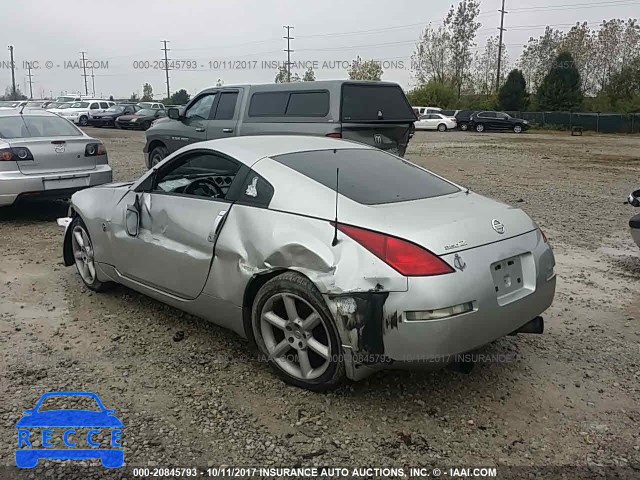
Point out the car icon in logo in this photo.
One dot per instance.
(73, 423)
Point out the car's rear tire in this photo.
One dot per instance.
(464, 126)
(295, 332)
(480, 128)
(517, 128)
(442, 127)
(83, 253)
(83, 121)
(146, 125)
(115, 125)
(157, 155)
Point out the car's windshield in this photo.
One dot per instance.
(146, 111)
(115, 108)
(396, 180)
(80, 105)
(65, 99)
(62, 106)
(29, 126)
(69, 402)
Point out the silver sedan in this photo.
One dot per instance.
(43, 154)
(334, 258)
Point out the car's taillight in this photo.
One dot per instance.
(334, 135)
(93, 149)
(407, 258)
(15, 154)
(544, 237)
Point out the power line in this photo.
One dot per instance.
(502, 29)
(288, 50)
(84, 74)
(166, 66)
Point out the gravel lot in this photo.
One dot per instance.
(568, 397)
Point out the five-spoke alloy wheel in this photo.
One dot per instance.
(82, 249)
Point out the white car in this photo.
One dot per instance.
(79, 112)
(426, 110)
(150, 105)
(7, 105)
(436, 121)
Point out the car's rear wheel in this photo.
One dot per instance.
(293, 328)
(83, 253)
(83, 121)
(480, 128)
(146, 125)
(464, 126)
(517, 128)
(442, 127)
(157, 155)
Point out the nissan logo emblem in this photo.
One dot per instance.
(497, 226)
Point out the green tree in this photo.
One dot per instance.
(560, 89)
(365, 70)
(462, 23)
(8, 94)
(147, 92)
(623, 90)
(181, 97)
(283, 73)
(309, 75)
(513, 94)
(434, 93)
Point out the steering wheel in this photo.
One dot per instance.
(204, 187)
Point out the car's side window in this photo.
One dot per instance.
(104, 105)
(226, 105)
(94, 106)
(201, 109)
(255, 191)
(203, 174)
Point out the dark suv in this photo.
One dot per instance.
(481, 121)
(374, 113)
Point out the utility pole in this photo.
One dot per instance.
(30, 81)
(288, 38)
(13, 75)
(84, 74)
(166, 66)
(93, 82)
(502, 29)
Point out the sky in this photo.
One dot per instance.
(241, 41)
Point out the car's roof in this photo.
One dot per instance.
(250, 149)
(27, 112)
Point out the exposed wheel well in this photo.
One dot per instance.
(156, 143)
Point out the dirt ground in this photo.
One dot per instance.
(570, 397)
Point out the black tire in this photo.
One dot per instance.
(83, 121)
(442, 127)
(157, 155)
(464, 126)
(296, 284)
(146, 125)
(96, 285)
(518, 128)
(115, 125)
(480, 127)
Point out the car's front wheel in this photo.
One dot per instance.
(517, 128)
(294, 330)
(83, 121)
(157, 155)
(83, 254)
(480, 128)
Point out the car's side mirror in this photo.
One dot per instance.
(634, 198)
(132, 221)
(174, 114)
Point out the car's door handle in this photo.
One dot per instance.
(227, 130)
(217, 223)
(199, 129)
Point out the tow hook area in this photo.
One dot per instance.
(534, 326)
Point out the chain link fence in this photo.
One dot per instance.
(596, 122)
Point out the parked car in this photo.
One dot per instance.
(36, 104)
(140, 120)
(462, 117)
(43, 154)
(151, 105)
(436, 121)
(9, 104)
(634, 223)
(412, 269)
(109, 116)
(427, 110)
(57, 107)
(375, 113)
(68, 98)
(79, 112)
(482, 121)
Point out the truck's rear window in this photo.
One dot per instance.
(373, 103)
(368, 176)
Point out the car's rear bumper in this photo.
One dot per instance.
(384, 337)
(16, 184)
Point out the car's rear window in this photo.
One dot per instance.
(36, 126)
(370, 177)
(372, 103)
(294, 104)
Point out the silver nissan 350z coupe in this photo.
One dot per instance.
(335, 258)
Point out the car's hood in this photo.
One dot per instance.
(107, 114)
(74, 110)
(69, 418)
(443, 224)
(129, 117)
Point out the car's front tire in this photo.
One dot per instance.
(480, 128)
(83, 254)
(294, 330)
(83, 121)
(517, 128)
(157, 155)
